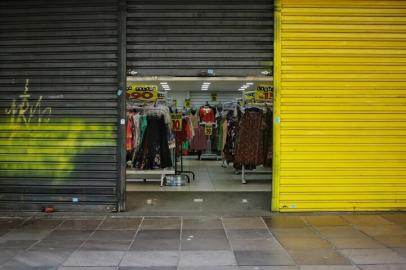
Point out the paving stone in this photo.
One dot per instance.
(304, 232)
(249, 234)
(155, 244)
(158, 234)
(94, 258)
(150, 258)
(50, 245)
(206, 258)
(16, 244)
(268, 244)
(373, 256)
(148, 268)
(198, 235)
(212, 267)
(80, 224)
(205, 244)
(257, 257)
(121, 223)
(382, 230)
(25, 234)
(399, 219)
(355, 242)
(339, 232)
(113, 235)
(383, 267)
(10, 223)
(7, 255)
(366, 220)
(69, 234)
(86, 268)
(395, 241)
(319, 221)
(244, 223)
(41, 224)
(268, 268)
(202, 223)
(106, 245)
(37, 259)
(161, 223)
(303, 243)
(318, 257)
(401, 251)
(284, 222)
(328, 267)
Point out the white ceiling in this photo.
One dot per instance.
(195, 84)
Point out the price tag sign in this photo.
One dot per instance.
(142, 92)
(264, 93)
(177, 121)
(208, 130)
(187, 103)
(214, 97)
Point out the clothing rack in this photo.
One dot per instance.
(208, 153)
(139, 172)
(243, 173)
(181, 171)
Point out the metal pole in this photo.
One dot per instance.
(122, 85)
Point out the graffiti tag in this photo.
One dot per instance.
(25, 112)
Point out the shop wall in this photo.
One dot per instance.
(58, 104)
(340, 116)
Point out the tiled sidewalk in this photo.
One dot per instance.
(283, 242)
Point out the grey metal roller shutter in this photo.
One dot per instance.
(188, 37)
(58, 104)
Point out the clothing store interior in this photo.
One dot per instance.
(200, 135)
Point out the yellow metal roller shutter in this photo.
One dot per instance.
(341, 97)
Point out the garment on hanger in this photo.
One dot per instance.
(268, 139)
(154, 151)
(199, 141)
(130, 133)
(249, 141)
(207, 114)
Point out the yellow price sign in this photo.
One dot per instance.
(264, 93)
(142, 92)
(213, 97)
(176, 121)
(249, 96)
(208, 130)
(187, 103)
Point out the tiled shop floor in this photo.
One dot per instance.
(280, 242)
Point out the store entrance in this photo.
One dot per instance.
(194, 140)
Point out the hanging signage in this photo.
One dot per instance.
(264, 93)
(161, 95)
(208, 129)
(142, 92)
(213, 97)
(187, 103)
(249, 96)
(177, 121)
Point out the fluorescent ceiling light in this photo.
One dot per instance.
(206, 83)
(250, 83)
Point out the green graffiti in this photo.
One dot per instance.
(50, 150)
